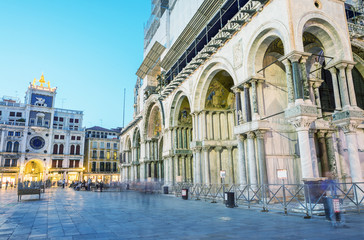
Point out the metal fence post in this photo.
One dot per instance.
(356, 198)
(284, 199)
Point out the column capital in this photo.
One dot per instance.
(321, 133)
(295, 56)
(250, 135)
(218, 148)
(241, 137)
(286, 62)
(260, 134)
(206, 148)
(349, 127)
(302, 123)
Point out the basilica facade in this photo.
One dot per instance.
(248, 89)
(39, 141)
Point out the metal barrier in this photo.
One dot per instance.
(304, 199)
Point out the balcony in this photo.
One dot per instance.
(13, 123)
(98, 170)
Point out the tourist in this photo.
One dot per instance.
(64, 182)
(6, 184)
(89, 184)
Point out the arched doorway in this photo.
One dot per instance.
(34, 171)
(154, 162)
(181, 122)
(219, 152)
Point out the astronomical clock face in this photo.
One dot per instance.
(37, 142)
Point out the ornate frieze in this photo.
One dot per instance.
(301, 110)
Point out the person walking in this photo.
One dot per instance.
(64, 182)
(101, 185)
(6, 184)
(89, 184)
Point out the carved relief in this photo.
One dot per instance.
(219, 95)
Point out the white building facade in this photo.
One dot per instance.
(248, 88)
(39, 141)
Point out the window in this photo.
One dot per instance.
(56, 136)
(108, 167)
(7, 163)
(94, 145)
(55, 118)
(9, 146)
(61, 137)
(114, 168)
(77, 163)
(115, 146)
(115, 155)
(54, 163)
(61, 147)
(10, 133)
(78, 137)
(76, 120)
(108, 145)
(71, 163)
(18, 114)
(108, 155)
(16, 147)
(93, 167)
(73, 138)
(78, 150)
(94, 154)
(60, 163)
(71, 120)
(61, 119)
(102, 145)
(102, 155)
(55, 149)
(14, 163)
(17, 134)
(12, 114)
(72, 152)
(101, 166)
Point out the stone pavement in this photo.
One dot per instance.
(67, 214)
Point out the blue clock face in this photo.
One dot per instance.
(37, 142)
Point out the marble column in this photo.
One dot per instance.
(231, 164)
(207, 165)
(302, 125)
(316, 85)
(237, 105)
(323, 154)
(261, 157)
(315, 167)
(241, 160)
(171, 177)
(204, 125)
(343, 86)
(306, 90)
(297, 81)
(336, 88)
(183, 166)
(252, 161)
(218, 164)
(349, 78)
(352, 145)
(211, 127)
(247, 103)
(290, 91)
(197, 165)
(254, 100)
(331, 153)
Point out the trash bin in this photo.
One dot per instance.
(185, 193)
(229, 199)
(165, 189)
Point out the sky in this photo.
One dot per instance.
(89, 49)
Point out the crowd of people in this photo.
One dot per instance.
(79, 185)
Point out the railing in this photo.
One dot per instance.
(305, 199)
(13, 123)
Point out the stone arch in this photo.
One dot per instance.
(175, 106)
(207, 74)
(34, 170)
(259, 43)
(150, 104)
(327, 31)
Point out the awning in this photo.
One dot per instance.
(150, 60)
